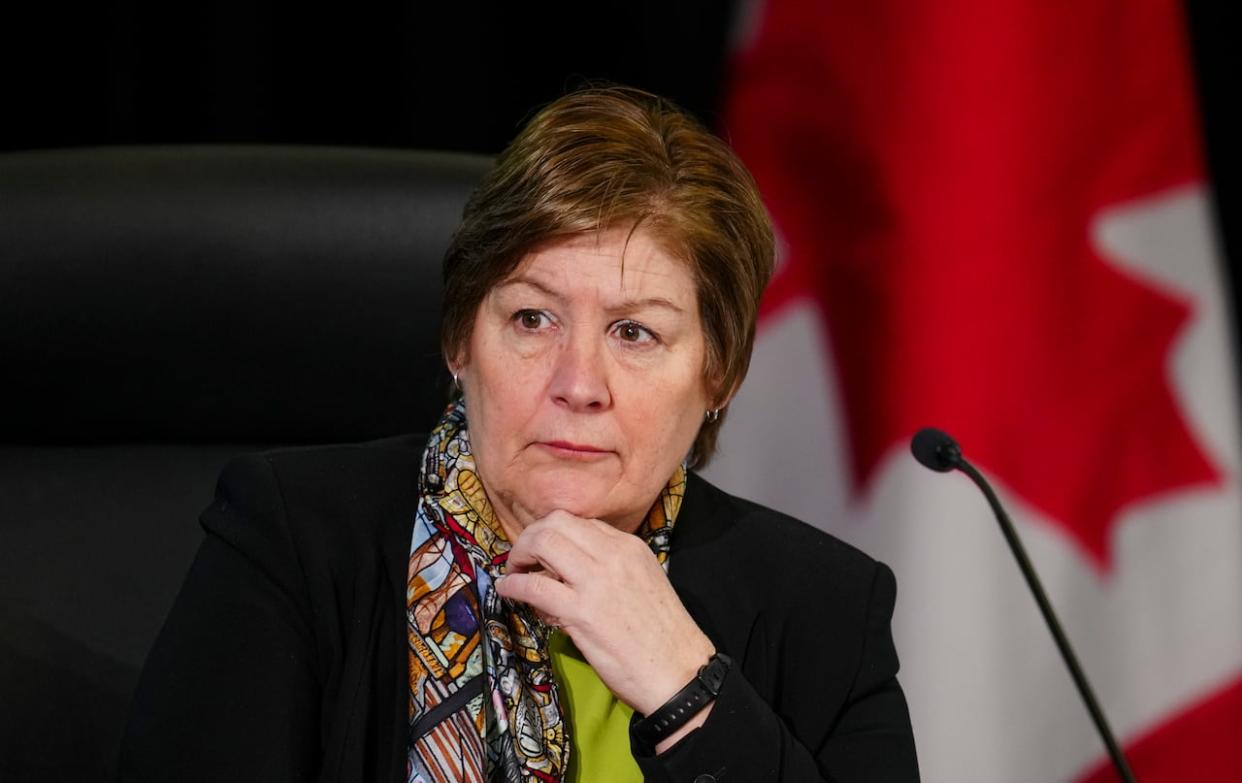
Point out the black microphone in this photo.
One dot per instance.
(939, 452)
(935, 449)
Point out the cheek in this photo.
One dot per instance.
(494, 366)
(504, 360)
(502, 394)
(669, 412)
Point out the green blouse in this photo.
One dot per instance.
(599, 722)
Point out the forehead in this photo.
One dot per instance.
(611, 263)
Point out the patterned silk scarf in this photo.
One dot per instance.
(483, 703)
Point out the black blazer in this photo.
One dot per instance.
(284, 657)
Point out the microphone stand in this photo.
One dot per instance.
(1050, 617)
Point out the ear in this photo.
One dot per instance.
(456, 361)
(722, 401)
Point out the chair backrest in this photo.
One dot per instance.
(161, 309)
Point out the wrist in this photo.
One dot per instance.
(672, 739)
(685, 709)
(664, 684)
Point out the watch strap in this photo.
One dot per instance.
(686, 703)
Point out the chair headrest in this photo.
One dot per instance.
(236, 294)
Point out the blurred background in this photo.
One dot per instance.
(1017, 221)
(458, 76)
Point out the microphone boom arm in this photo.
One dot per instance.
(1050, 617)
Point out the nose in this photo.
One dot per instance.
(580, 379)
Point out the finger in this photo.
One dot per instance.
(596, 540)
(549, 596)
(553, 549)
(594, 535)
(607, 548)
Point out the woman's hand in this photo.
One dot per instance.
(607, 591)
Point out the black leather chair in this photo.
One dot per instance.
(160, 310)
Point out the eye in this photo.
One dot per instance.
(633, 332)
(531, 320)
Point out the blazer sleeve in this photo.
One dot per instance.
(745, 739)
(229, 691)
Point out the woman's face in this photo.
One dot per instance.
(583, 380)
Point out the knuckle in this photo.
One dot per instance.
(636, 547)
(556, 517)
(555, 539)
(536, 586)
(537, 540)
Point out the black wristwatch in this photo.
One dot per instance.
(686, 703)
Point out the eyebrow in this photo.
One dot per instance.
(628, 305)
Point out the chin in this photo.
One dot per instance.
(580, 496)
(576, 503)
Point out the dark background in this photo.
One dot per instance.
(457, 76)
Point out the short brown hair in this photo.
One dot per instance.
(611, 157)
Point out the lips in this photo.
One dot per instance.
(567, 446)
(569, 450)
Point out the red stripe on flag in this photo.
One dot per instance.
(1198, 743)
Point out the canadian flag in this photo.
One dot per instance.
(993, 220)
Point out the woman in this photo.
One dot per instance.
(541, 590)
